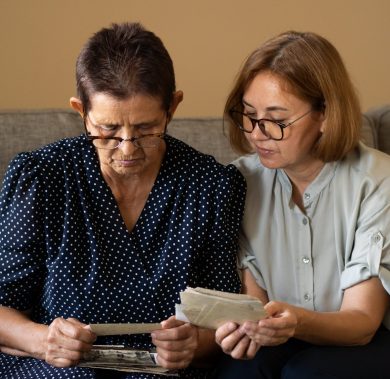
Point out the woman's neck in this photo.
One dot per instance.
(301, 178)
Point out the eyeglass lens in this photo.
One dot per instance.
(145, 141)
(269, 128)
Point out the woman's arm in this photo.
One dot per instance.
(60, 344)
(250, 287)
(21, 336)
(359, 317)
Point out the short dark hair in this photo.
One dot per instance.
(313, 70)
(122, 61)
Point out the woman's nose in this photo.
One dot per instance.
(257, 134)
(127, 145)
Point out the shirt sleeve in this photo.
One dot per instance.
(247, 260)
(219, 268)
(370, 255)
(21, 234)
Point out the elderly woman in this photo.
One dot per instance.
(315, 244)
(110, 226)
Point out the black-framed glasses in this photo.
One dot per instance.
(111, 143)
(270, 128)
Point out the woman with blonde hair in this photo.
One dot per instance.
(315, 242)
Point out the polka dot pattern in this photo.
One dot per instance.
(65, 250)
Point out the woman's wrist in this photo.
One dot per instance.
(303, 317)
(36, 344)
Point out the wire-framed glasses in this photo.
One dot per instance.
(111, 143)
(270, 128)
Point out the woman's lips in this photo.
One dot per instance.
(264, 152)
(127, 162)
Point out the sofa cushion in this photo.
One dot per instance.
(380, 123)
(26, 130)
(207, 135)
(368, 132)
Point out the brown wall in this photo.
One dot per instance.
(207, 39)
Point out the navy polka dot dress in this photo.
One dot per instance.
(65, 250)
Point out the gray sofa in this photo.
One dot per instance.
(25, 130)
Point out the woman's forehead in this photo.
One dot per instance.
(137, 108)
(106, 102)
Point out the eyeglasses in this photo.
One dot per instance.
(270, 128)
(111, 143)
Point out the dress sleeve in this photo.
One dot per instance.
(219, 268)
(21, 234)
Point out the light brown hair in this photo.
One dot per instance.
(314, 71)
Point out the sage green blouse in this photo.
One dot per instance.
(341, 239)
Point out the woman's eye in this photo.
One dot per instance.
(251, 115)
(145, 129)
(108, 128)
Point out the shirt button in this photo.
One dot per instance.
(307, 196)
(377, 238)
(305, 260)
(306, 297)
(304, 221)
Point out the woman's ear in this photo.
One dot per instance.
(323, 125)
(77, 105)
(322, 119)
(176, 100)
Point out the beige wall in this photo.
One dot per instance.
(207, 39)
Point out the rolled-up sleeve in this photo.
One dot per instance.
(370, 255)
(247, 260)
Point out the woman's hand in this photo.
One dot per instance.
(67, 340)
(243, 342)
(277, 328)
(176, 343)
(233, 341)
